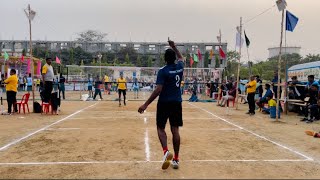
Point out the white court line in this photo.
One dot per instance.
(127, 162)
(255, 134)
(146, 141)
(182, 129)
(42, 129)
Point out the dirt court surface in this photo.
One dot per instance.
(98, 139)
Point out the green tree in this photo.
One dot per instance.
(91, 36)
(116, 61)
(24, 52)
(162, 61)
(206, 59)
(311, 58)
(71, 56)
(127, 59)
(138, 62)
(149, 61)
(217, 64)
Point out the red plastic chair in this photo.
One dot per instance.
(46, 107)
(23, 102)
(232, 100)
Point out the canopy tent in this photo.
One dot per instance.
(19, 64)
(302, 71)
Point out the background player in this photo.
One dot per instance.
(122, 88)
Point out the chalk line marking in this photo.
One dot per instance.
(146, 141)
(127, 162)
(255, 134)
(119, 128)
(42, 129)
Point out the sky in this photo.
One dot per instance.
(156, 20)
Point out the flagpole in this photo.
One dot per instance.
(286, 73)
(249, 63)
(238, 74)
(279, 69)
(32, 63)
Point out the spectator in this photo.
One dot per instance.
(11, 88)
(97, 86)
(230, 94)
(47, 76)
(2, 84)
(263, 99)
(272, 104)
(310, 82)
(251, 90)
(29, 83)
(312, 105)
(62, 88)
(275, 85)
(296, 90)
(259, 89)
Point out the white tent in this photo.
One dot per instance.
(302, 71)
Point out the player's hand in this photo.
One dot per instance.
(171, 43)
(142, 108)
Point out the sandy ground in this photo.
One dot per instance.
(98, 139)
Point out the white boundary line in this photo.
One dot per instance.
(255, 134)
(146, 140)
(127, 162)
(42, 129)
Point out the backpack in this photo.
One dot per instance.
(37, 107)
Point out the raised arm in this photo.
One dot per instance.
(173, 46)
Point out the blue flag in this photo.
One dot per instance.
(291, 21)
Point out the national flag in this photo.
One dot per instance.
(239, 40)
(58, 60)
(247, 39)
(22, 58)
(222, 54)
(191, 61)
(291, 21)
(282, 4)
(6, 56)
(195, 58)
(199, 55)
(211, 54)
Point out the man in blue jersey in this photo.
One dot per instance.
(169, 104)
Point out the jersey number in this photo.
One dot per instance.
(178, 80)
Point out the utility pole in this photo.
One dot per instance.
(238, 73)
(279, 69)
(30, 53)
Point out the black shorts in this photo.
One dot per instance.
(171, 110)
(124, 91)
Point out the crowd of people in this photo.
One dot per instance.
(303, 97)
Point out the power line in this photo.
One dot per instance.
(263, 12)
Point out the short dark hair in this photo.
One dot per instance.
(311, 76)
(170, 56)
(314, 85)
(48, 58)
(268, 85)
(13, 71)
(294, 77)
(270, 96)
(257, 76)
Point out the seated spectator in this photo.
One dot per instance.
(193, 97)
(230, 94)
(312, 105)
(263, 99)
(272, 104)
(296, 89)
